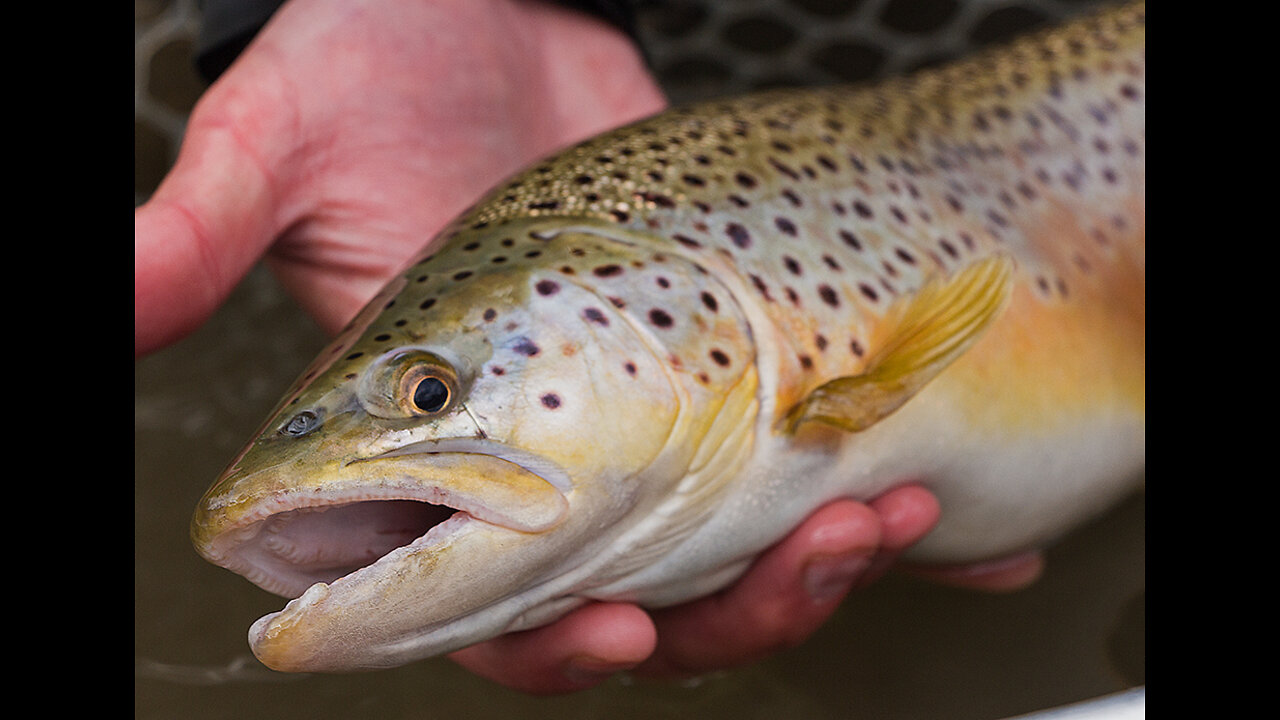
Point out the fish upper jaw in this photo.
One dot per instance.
(287, 538)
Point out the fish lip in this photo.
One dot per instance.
(533, 463)
(240, 546)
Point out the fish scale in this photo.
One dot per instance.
(630, 369)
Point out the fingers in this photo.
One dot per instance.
(1005, 574)
(788, 592)
(206, 225)
(907, 514)
(576, 652)
(783, 598)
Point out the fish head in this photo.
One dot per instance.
(452, 465)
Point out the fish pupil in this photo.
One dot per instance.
(431, 395)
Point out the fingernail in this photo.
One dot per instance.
(584, 670)
(827, 578)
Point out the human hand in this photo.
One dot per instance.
(784, 597)
(347, 134)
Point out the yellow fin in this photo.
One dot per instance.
(931, 329)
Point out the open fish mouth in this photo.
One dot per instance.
(371, 511)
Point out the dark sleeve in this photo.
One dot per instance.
(227, 27)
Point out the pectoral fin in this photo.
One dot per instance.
(930, 329)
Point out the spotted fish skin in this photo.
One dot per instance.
(664, 346)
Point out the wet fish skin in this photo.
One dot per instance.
(663, 347)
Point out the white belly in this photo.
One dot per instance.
(999, 495)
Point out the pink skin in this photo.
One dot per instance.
(297, 154)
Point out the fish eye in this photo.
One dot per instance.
(431, 395)
(427, 386)
(410, 383)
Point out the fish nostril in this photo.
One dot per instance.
(302, 423)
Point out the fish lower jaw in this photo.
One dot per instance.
(266, 626)
(280, 639)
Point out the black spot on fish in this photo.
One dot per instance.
(761, 286)
(595, 315)
(526, 347)
(547, 287)
(551, 401)
(784, 169)
(709, 301)
(658, 199)
(851, 240)
(660, 318)
(829, 295)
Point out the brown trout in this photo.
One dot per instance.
(630, 369)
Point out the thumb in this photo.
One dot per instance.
(208, 222)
